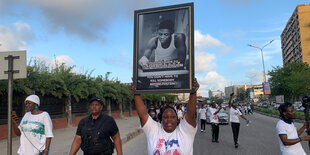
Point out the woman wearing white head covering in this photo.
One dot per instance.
(35, 129)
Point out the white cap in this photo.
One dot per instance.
(34, 99)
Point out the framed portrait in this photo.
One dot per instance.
(164, 49)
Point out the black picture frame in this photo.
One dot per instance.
(160, 66)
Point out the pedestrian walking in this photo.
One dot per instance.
(289, 138)
(202, 114)
(249, 109)
(245, 109)
(180, 112)
(215, 129)
(35, 129)
(169, 137)
(94, 133)
(234, 114)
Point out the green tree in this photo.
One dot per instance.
(292, 80)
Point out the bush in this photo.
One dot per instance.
(298, 115)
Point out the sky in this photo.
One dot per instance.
(97, 35)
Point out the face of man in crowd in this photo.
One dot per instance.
(289, 113)
(164, 36)
(169, 120)
(213, 105)
(95, 107)
(234, 105)
(29, 105)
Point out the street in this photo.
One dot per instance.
(256, 139)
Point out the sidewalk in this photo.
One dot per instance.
(61, 143)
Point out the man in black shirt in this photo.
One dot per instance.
(95, 131)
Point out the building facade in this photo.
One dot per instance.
(256, 89)
(216, 94)
(295, 38)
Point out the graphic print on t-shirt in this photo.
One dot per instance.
(170, 147)
(35, 128)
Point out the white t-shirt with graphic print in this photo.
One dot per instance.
(179, 142)
(34, 131)
(213, 118)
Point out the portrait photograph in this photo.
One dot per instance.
(163, 49)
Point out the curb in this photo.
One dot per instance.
(131, 135)
(275, 116)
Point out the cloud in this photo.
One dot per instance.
(59, 60)
(212, 80)
(17, 38)
(121, 60)
(204, 62)
(208, 42)
(255, 76)
(88, 20)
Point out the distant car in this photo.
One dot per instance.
(222, 115)
(265, 105)
(301, 109)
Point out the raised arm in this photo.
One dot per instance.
(229, 102)
(218, 110)
(15, 121)
(141, 109)
(191, 106)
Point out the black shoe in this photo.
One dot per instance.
(236, 145)
(217, 141)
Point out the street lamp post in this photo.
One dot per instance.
(261, 50)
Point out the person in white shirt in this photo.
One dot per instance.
(202, 114)
(289, 138)
(35, 129)
(234, 114)
(169, 137)
(180, 112)
(214, 121)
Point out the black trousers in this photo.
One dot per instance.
(235, 129)
(215, 131)
(203, 124)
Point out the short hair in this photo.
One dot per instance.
(283, 107)
(167, 24)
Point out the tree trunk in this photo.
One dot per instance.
(68, 111)
(130, 108)
(109, 106)
(121, 110)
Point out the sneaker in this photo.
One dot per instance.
(201, 130)
(204, 131)
(236, 145)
